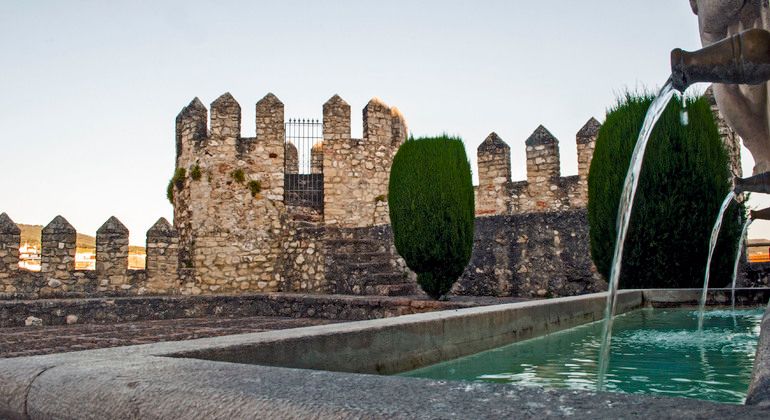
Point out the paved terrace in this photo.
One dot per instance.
(116, 322)
(256, 375)
(30, 341)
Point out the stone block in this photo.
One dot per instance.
(58, 249)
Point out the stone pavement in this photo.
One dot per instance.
(29, 341)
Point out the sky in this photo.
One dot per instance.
(90, 89)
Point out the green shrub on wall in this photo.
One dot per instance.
(684, 179)
(176, 181)
(195, 172)
(431, 203)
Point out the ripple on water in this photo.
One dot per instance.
(653, 351)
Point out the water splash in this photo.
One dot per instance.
(738, 252)
(653, 351)
(684, 116)
(712, 244)
(656, 109)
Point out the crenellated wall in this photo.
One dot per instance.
(10, 240)
(240, 226)
(356, 171)
(545, 189)
(230, 235)
(233, 239)
(58, 277)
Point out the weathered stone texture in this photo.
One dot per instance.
(292, 159)
(494, 168)
(754, 275)
(112, 254)
(120, 309)
(191, 132)
(236, 231)
(542, 254)
(730, 139)
(58, 249)
(364, 261)
(225, 126)
(230, 236)
(545, 189)
(586, 143)
(162, 257)
(304, 258)
(356, 171)
(543, 172)
(317, 158)
(10, 238)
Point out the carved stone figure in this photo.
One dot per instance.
(745, 107)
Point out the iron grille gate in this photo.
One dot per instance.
(303, 164)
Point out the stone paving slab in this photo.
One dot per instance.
(30, 341)
(157, 381)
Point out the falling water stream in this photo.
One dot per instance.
(624, 216)
(712, 244)
(738, 252)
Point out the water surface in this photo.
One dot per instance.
(654, 351)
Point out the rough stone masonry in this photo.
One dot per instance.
(235, 232)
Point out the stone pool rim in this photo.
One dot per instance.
(161, 380)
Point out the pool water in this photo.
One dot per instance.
(654, 351)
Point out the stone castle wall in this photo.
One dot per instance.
(356, 171)
(234, 232)
(58, 277)
(236, 239)
(538, 254)
(230, 235)
(545, 189)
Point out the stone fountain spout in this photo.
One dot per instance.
(731, 34)
(759, 183)
(743, 59)
(762, 214)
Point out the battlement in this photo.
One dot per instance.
(233, 195)
(356, 171)
(545, 189)
(58, 275)
(303, 207)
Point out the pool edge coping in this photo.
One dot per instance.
(36, 375)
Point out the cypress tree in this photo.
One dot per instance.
(685, 177)
(431, 202)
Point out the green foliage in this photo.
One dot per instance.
(381, 198)
(176, 181)
(179, 176)
(195, 172)
(432, 210)
(255, 187)
(684, 179)
(170, 192)
(238, 175)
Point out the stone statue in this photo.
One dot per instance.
(746, 107)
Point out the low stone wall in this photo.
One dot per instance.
(390, 346)
(531, 255)
(128, 309)
(756, 275)
(79, 284)
(157, 380)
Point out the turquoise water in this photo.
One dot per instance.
(654, 351)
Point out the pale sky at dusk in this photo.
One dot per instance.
(90, 89)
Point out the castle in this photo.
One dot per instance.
(268, 214)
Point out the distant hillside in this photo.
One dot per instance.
(31, 234)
